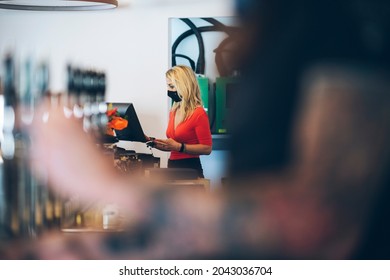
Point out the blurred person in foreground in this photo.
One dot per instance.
(312, 183)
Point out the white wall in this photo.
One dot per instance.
(131, 44)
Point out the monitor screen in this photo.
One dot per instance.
(133, 131)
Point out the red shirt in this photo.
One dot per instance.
(194, 130)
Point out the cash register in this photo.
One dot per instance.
(129, 161)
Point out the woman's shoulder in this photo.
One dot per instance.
(199, 113)
(199, 110)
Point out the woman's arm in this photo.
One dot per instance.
(172, 145)
(197, 149)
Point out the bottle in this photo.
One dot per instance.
(14, 151)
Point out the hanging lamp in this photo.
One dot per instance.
(58, 5)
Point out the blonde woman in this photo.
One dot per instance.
(188, 132)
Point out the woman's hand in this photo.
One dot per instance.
(167, 145)
(148, 138)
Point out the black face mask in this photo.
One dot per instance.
(174, 95)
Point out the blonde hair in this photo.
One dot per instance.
(186, 84)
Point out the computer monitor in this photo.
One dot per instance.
(133, 131)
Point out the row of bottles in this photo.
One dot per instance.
(27, 206)
(86, 98)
